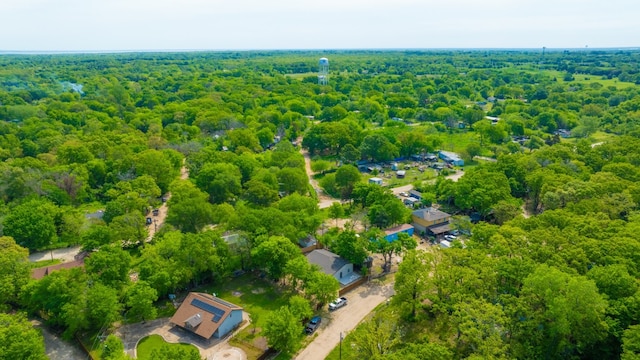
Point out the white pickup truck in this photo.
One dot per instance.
(338, 303)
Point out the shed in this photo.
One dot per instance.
(451, 158)
(400, 174)
(375, 180)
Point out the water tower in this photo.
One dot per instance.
(323, 71)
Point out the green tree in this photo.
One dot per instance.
(19, 340)
(411, 283)
(300, 308)
(349, 154)
(321, 288)
(320, 166)
(631, 343)
(293, 180)
(110, 265)
(478, 326)
(15, 270)
(377, 147)
(102, 306)
(480, 189)
(157, 165)
(283, 330)
(376, 337)
(350, 246)
(140, 298)
(346, 178)
(113, 349)
(336, 211)
(563, 314)
(189, 210)
(273, 253)
(221, 181)
(32, 224)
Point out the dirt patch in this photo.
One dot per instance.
(260, 342)
(258, 291)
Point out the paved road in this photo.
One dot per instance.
(361, 302)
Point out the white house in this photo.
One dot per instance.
(333, 265)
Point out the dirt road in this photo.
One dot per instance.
(324, 200)
(361, 302)
(56, 348)
(159, 219)
(64, 254)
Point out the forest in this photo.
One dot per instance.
(550, 267)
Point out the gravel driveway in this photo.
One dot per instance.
(361, 302)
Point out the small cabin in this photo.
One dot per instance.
(375, 180)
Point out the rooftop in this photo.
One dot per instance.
(328, 261)
(202, 313)
(430, 214)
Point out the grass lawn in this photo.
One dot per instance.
(147, 344)
(43, 263)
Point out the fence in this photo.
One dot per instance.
(352, 286)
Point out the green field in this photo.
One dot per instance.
(589, 79)
(147, 344)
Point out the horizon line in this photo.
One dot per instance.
(124, 51)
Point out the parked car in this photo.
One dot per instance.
(404, 193)
(149, 221)
(156, 212)
(450, 237)
(338, 303)
(313, 325)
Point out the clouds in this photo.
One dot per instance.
(287, 24)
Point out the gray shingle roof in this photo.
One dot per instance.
(328, 261)
(430, 214)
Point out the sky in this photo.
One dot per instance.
(124, 25)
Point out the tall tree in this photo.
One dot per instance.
(15, 270)
(411, 283)
(19, 340)
(283, 330)
(221, 181)
(273, 253)
(110, 265)
(32, 224)
(140, 299)
(189, 210)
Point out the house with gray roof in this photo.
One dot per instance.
(431, 221)
(332, 264)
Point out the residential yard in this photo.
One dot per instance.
(146, 346)
(258, 297)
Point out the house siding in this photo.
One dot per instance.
(234, 318)
(345, 270)
(421, 225)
